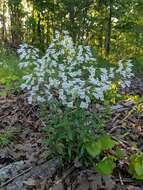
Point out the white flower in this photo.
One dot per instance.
(23, 64)
(87, 99)
(30, 99)
(54, 63)
(40, 99)
(123, 73)
(94, 81)
(84, 105)
(91, 70)
(70, 104)
(98, 95)
(104, 71)
(111, 73)
(23, 86)
(123, 85)
(50, 97)
(27, 77)
(105, 87)
(127, 83)
(82, 94)
(104, 77)
(61, 67)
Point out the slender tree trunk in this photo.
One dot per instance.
(39, 30)
(3, 24)
(100, 38)
(72, 22)
(109, 29)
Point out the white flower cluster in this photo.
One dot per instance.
(125, 73)
(68, 73)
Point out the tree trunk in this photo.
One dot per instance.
(109, 29)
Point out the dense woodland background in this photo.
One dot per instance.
(114, 28)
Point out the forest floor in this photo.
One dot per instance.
(22, 162)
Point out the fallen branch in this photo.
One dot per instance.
(18, 175)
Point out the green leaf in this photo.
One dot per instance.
(139, 168)
(136, 166)
(119, 153)
(93, 148)
(106, 166)
(107, 142)
(60, 148)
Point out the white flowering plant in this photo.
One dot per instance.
(68, 73)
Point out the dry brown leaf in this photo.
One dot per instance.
(58, 186)
(132, 187)
(30, 182)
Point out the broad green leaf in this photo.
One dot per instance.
(93, 148)
(106, 166)
(107, 142)
(139, 168)
(136, 166)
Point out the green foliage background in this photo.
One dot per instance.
(114, 28)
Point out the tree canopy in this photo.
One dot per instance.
(112, 27)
